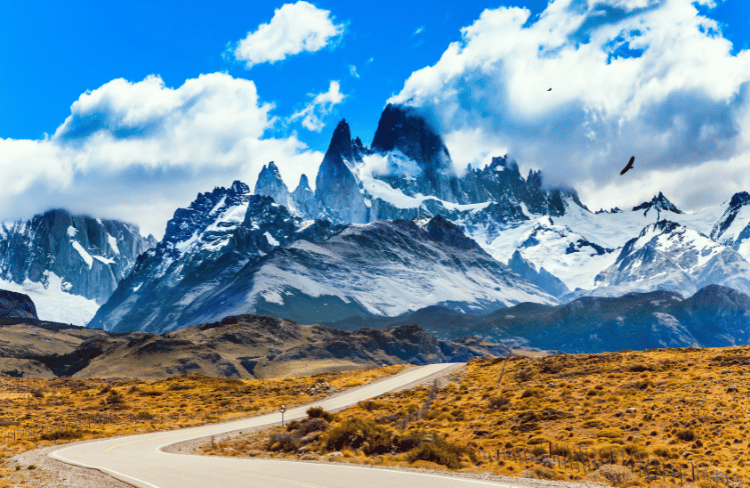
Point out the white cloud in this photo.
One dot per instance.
(652, 78)
(320, 106)
(137, 151)
(294, 28)
(419, 30)
(353, 71)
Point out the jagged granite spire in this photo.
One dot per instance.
(304, 199)
(271, 185)
(336, 188)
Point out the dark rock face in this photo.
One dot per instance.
(16, 305)
(89, 255)
(336, 188)
(402, 128)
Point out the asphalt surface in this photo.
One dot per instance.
(140, 461)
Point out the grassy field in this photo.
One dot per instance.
(669, 411)
(37, 413)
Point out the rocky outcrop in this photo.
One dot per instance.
(16, 305)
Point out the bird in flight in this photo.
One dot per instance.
(550, 89)
(629, 166)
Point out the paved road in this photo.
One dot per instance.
(139, 460)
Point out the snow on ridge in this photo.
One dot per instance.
(104, 260)
(72, 231)
(53, 303)
(271, 240)
(113, 244)
(84, 254)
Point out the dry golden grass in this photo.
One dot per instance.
(36, 411)
(688, 407)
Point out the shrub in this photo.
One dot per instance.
(441, 452)
(662, 451)
(616, 474)
(62, 434)
(533, 392)
(594, 423)
(144, 415)
(496, 402)
(537, 440)
(282, 441)
(686, 435)
(539, 472)
(371, 405)
(319, 413)
(611, 433)
(312, 425)
(357, 433)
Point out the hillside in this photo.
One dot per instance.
(247, 346)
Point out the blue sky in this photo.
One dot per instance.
(124, 92)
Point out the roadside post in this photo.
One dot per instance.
(282, 409)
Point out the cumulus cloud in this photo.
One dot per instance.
(137, 151)
(353, 71)
(653, 78)
(321, 105)
(294, 28)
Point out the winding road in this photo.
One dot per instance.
(140, 461)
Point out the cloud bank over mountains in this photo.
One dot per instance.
(651, 78)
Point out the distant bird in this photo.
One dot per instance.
(629, 166)
(550, 89)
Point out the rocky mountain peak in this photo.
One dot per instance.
(336, 188)
(659, 203)
(341, 143)
(445, 232)
(404, 129)
(740, 199)
(270, 184)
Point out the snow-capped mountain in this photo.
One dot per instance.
(668, 256)
(273, 252)
(68, 264)
(204, 246)
(383, 268)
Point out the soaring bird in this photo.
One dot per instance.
(629, 166)
(550, 89)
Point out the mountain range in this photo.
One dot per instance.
(390, 229)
